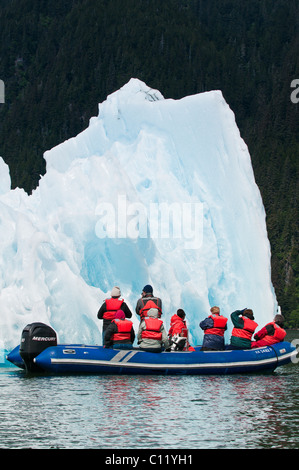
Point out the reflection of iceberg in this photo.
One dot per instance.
(57, 270)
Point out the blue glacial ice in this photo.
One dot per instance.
(96, 220)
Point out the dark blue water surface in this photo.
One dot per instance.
(146, 412)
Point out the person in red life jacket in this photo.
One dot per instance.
(147, 301)
(152, 336)
(110, 307)
(214, 327)
(272, 333)
(178, 324)
(244, 326)
(178, 332)
(120, 333)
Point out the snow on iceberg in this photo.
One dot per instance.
(96, 220)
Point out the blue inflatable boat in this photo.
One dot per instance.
(39, 352)
(78, 359)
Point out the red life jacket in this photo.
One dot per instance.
(147, 304)
(112, 305)
(178, 326)
(278, 336)
(124, 328)
(219, 325)
(247, 331)
(153, 327)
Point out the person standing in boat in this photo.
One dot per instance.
(152, 336)
(244, 326)
(110, 307)
(120, 333)
(147, 301)
(272, 333)
(214, 327)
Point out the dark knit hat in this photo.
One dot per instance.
(147, 289)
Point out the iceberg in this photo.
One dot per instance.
(155, 191)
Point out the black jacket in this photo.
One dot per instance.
(103, 309)
(111, 330)
(143, 300)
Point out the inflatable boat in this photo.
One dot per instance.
(37, 354)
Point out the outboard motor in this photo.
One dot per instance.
(35, 338)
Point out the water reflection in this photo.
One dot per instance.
(183, 412)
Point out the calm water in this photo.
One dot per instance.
(119, 412)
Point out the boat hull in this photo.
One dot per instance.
(78, 359)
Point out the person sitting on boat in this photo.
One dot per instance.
(244, 326)
(147, 301)
(120, 333)
(271, 333)
(110, 307)
(152, 336)
(214, 327)
(178, 332)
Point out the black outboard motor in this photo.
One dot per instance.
(35, 338)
